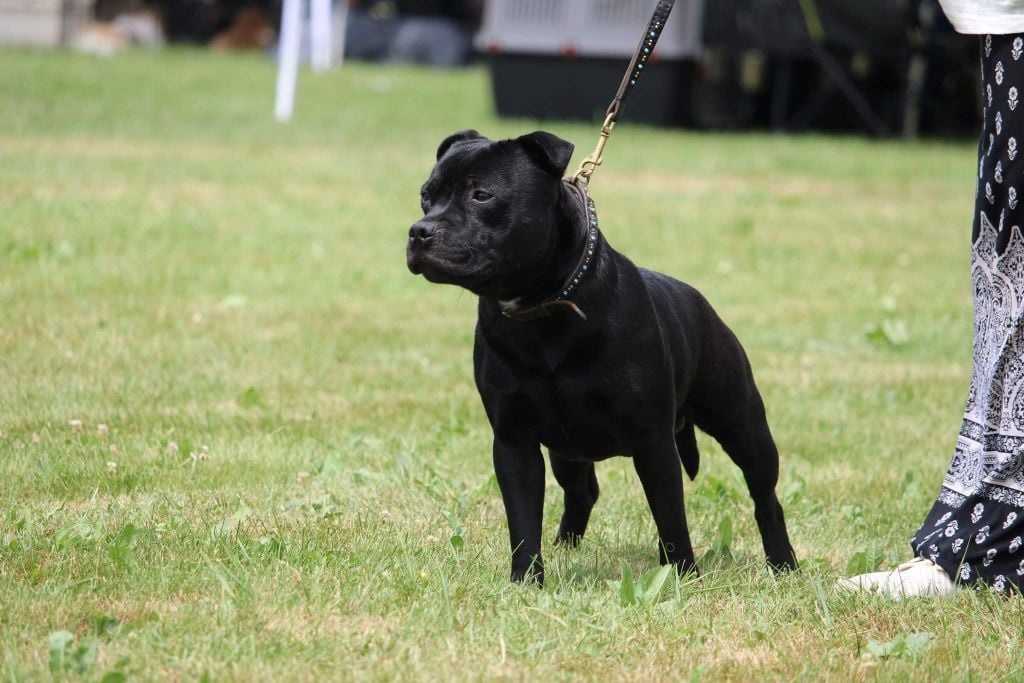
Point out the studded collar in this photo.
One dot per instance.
(561, 299)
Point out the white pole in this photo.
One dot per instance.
(340, 26)
(320, 30)
(288, 59)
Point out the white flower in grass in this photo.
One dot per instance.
(102, 430)
(982, 534)
(1010, 519)
(114, 448)
(976, 513)
(302, 478)
(957, 544)
(76, 426)
(204, 453)
(172, 448)
(111, 467)
(951, 529)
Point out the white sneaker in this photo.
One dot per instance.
(920, 576)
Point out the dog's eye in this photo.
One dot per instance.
(481, 196)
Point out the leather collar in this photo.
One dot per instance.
(561, 299)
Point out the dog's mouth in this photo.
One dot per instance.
(447, 268)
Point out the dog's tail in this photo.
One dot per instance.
(686, 444)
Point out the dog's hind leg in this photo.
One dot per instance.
(745, 436)
(579, 482)
(658, 465)
(686, 443)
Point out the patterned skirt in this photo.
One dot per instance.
(975, 530)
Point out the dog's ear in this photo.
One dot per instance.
(550, 152)
(468, 134)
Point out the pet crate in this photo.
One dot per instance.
(46, 23)
(565, 58)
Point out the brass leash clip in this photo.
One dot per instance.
(590, 164)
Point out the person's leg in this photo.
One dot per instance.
(974, 531)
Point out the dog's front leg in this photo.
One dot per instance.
(520, 473)
(660, 471)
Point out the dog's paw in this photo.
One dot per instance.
(784, 563)
(688, 569)
(685, 566)
(531, 576)
(568, 539)
(533, 572)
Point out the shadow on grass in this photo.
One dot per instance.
(597, 561)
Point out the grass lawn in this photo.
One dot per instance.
(295, 481)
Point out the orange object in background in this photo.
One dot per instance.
(251, 29)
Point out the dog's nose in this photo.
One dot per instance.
(422, 232)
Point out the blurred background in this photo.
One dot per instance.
(881, 67)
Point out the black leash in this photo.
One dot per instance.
(580, 182)
(629, 80)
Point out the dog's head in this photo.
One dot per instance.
(490, 212)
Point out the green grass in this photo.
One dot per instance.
(175, 265)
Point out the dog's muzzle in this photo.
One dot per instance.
(421, 236)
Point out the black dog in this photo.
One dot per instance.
(581, 351)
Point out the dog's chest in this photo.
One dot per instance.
(589, 398)
(588, 412)
(583, 425)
